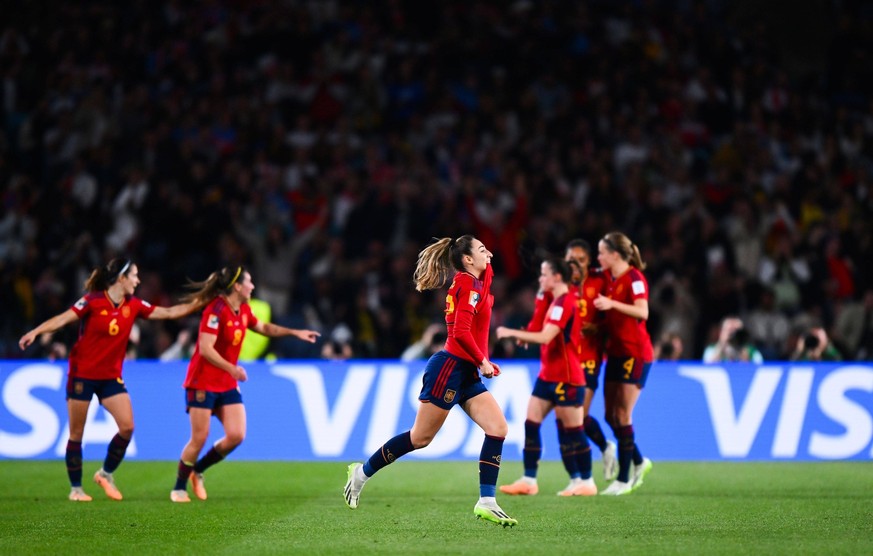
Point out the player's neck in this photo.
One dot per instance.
(560, 289)
(472, 272)
(233, 301)
(115, 295)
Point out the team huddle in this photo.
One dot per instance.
(581, 318)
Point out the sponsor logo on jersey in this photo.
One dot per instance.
(104, 312)
(638, 287)
(212, 322)
(81, 303)
(474, 298)
(145, 304)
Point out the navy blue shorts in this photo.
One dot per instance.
(592, 373)
(84, 389)
(628, 370)
(559, 393)
(211, 400)
(449, 381)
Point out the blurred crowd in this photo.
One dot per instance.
(324, 143)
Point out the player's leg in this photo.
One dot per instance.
(628, 396)
(428, 421)
(595, 434)
(537, 409)
(200, 419)
(233, 418)
(484, 411)
(575, 449)
(77, 411)
(118, 405)
(612, 402)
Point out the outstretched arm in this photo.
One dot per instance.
(174, 312)
(52, 324)
(543, 336)
(276, 331)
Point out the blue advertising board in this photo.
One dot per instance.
(330, 411)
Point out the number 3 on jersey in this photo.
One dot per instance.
(450, 304)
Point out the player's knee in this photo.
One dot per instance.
(125, 430)
(234, 439)
(420, 441)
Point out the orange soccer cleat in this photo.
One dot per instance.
(107, 483)
(197, 485)
(521, 487)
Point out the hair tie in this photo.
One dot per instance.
(452, 243)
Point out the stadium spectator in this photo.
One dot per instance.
(815, 345)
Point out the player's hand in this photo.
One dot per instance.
(502, 332)
(603, 303)
(487, 369)
(496, 369)
(239, 374)
(26, 340)
(308, 335)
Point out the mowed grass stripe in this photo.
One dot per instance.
(415, 507)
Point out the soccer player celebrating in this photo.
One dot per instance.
(107, 313)
(589, 285)
(559, 386)
(452, 376)
(211, 385)
(629, 351)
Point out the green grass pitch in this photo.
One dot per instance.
(416, 507)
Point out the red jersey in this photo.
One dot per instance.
(591, 342)
(559, 360)
(468, 316)
(230, 328)
(627, 336)
(104, 331)
(541, 305)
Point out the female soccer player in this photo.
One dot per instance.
(629, 351)
(590, 285)
(451, 376)
(107, 312)
(211, 386)
(559, 386)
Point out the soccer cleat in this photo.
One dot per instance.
(107, 483)
(493, 513)
(580, 487)
(197, 485)
(610, 461)
(78, 495)
(617, 488)
(353, 486)
(640, 472)
(521, 487)
(179, 496)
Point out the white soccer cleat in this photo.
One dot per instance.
(180, 496)
(490, 511)
(78, 495)
(640, 472)
(617, 488)
(610, 461)
(354, 484)
(580, 487)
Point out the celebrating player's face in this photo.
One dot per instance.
(130, 280)
(548, 278)
(246, 286)
(605, 257)
(580, 257)
(481, 256)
